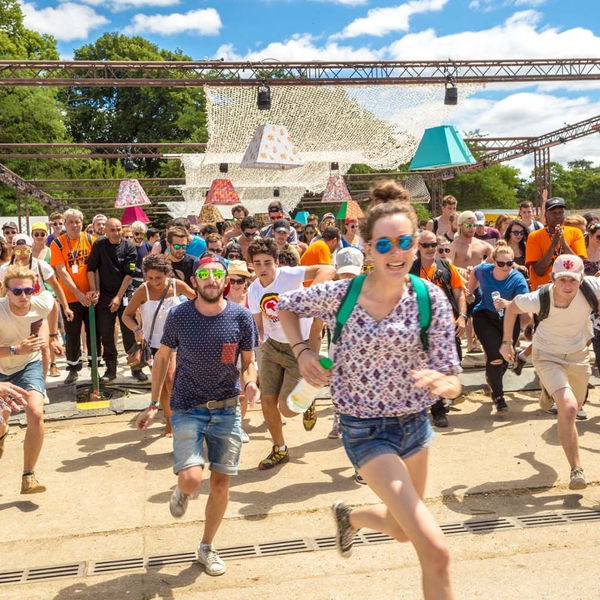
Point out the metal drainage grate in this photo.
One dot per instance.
(42, 573)
(481, 526)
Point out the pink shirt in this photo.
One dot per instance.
(373, 359)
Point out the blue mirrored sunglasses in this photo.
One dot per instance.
(384, 245)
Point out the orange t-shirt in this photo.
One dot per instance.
(318, 253)
(539, 241)
(75, 256)
(456, 281)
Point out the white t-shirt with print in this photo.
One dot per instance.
(564, 330)
(264, 300)
(16, 329)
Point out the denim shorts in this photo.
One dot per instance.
(365, 439)
(30, 378)
(220, 428)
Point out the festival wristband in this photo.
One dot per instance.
(154, 404)
(248, 383)
(302, 342)
(301, 351)
(507, 342)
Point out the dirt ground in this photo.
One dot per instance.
(109, 485)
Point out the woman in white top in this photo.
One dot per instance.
(22, 245)
(158, 275)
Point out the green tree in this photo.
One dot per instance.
(489, 187)
(136, 114)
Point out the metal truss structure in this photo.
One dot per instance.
(101, 150)
(196, 74)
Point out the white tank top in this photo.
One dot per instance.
(147, 310)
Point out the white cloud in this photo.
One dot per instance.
(345, 2)
(66, 22)
(518, 37)
(300, 47)
(529, 114)
(381, 21)
(122, 5)
(488, 5)
(202, 22)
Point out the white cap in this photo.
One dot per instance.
(349, 260)
(22, 239)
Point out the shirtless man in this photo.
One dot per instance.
(441, 225)
(466, 252)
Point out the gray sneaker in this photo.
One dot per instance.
(553, 410)
(209, 557)
(577, 481)
(581, 415)
(345, 533)
(179, 503)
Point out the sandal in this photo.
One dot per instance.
(2, 440)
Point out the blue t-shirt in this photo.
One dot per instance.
(197, 247)
(207, 352)
(510, 287)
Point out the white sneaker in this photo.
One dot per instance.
(179, 503)
(209, 557)
(245, 437)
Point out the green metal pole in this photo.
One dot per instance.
(94, 349)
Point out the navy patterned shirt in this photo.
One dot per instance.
(207, 352)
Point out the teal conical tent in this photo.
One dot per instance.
(440, 148)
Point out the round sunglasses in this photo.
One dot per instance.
(444, 250)
(518, 232)
(384, 244)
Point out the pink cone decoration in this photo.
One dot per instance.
(336, 190)
(131, 193)
(222, 192)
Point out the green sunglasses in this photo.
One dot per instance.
(216, 273)
(180, 246)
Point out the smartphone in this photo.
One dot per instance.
(35, 327)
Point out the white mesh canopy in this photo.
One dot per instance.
(376, 125)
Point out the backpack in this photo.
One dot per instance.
(444, 272)
(353, 292)
(585, 288)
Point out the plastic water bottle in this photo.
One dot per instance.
(495, 296)
(304, 393)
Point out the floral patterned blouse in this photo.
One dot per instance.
(373, 359)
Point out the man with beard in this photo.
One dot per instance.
(205, 396)
(181, 261)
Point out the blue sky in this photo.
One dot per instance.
(369, 30)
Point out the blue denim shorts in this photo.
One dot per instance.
(220, 428)
(364, 439)
(30, 378)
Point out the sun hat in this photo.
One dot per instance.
(238, 267)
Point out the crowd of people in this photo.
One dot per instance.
(400, 299)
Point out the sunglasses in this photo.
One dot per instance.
(309, 232)
(469, 225)
(384, 245)
(10, 232)
(249, 235)
(328, 223)
(215, 250)
(20, 251)
(517, 231)
(57, 223)
(138, 234)
(233, 256)
(237, 219)
(216, 273)
(39, 234)
(444, 250)
(429, 245)
(274, 210)
(237, 281)
(352, 226)
(180, 246)
(19, 291)
(507, 263)
(128, 237)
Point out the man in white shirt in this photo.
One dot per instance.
(560, 351)
(279, 372)
(21, 315)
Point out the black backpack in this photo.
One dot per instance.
(443, 274)
(586, 290)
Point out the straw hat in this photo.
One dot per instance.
(238, 267)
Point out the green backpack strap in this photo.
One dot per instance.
(347, 305)
(424, 306)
